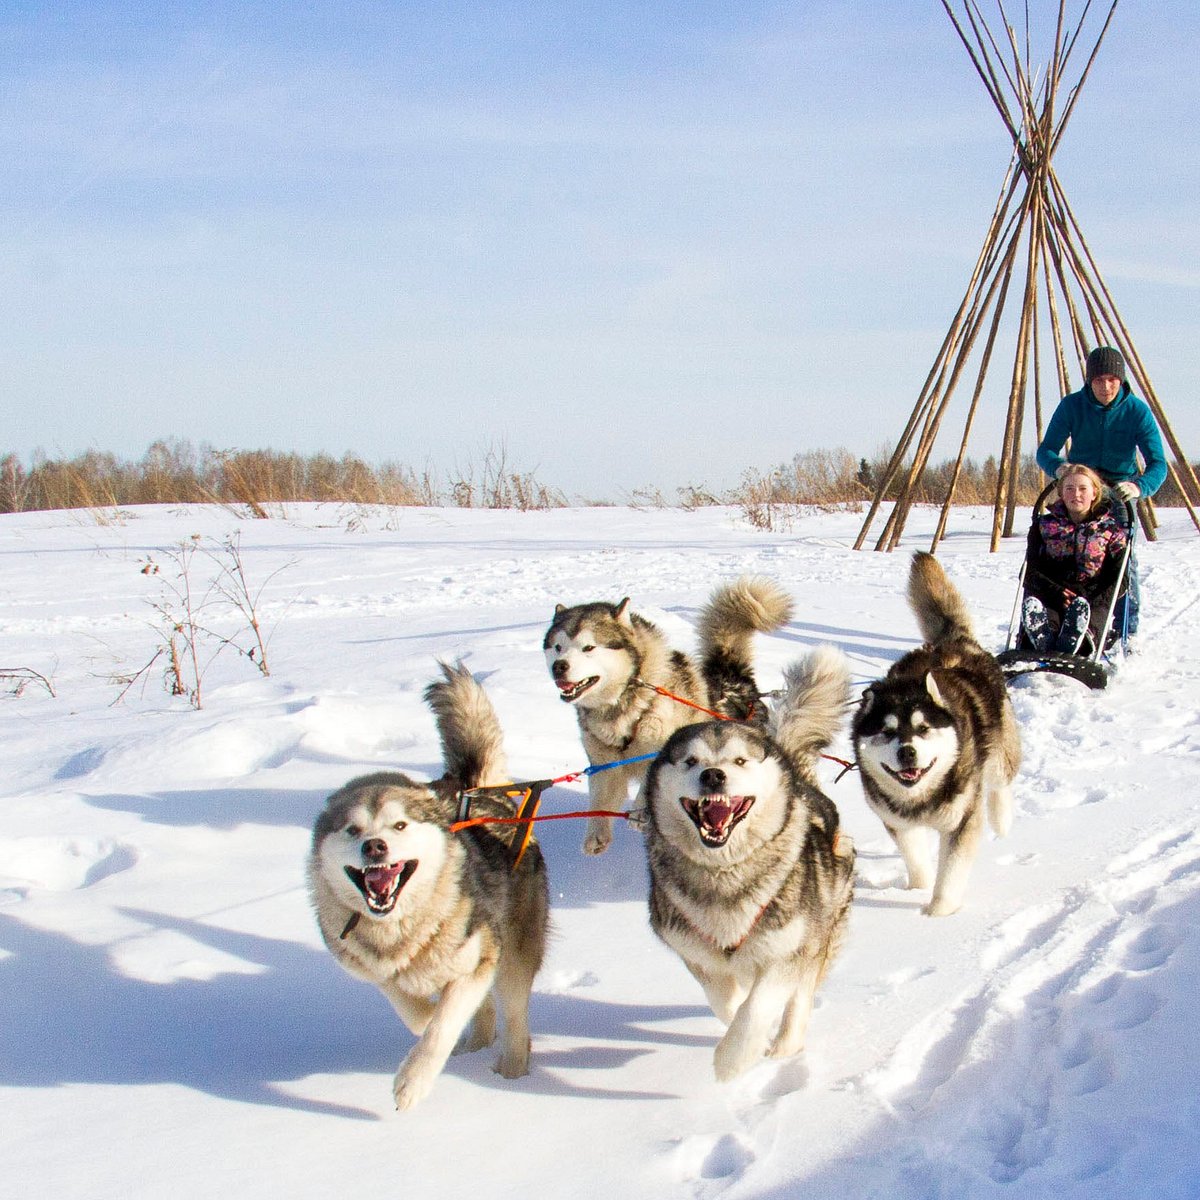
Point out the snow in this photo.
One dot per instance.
(173, 1023)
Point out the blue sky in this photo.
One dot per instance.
(634, 245)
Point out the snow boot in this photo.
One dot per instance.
(1036, 623)
(1074, 627)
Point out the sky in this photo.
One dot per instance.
(628, 246)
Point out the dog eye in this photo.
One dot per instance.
(399, 826)
(690, 761)
(353, 831)
(739, 762)
(588, 649)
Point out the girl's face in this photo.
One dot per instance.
(1078, 494)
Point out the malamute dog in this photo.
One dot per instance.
(937, 742)
(750, 879)
(434, 919)
(605, 660)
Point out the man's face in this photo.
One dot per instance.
(1105, 388)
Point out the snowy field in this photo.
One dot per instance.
(173, 1025)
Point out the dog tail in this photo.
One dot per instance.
(733, 615)
(940, 610)
(815, 697)
(472, 741)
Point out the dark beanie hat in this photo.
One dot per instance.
(1105, 360)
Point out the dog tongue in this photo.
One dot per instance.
(380, 879)
(717, 811)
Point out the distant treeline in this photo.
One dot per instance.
(178, 472)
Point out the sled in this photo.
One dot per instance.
(1093, 670)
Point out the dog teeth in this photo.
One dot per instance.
(380, 885)
(571, 691)
(715, 815)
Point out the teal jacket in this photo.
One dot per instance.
(1105, 439)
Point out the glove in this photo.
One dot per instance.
(1127, 490)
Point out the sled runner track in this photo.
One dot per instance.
(1171, 618)
(1068, 983)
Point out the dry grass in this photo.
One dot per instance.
(259, 482)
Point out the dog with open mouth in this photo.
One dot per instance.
(606, 662)
(448, 925)
(937, 743)
(751, 879)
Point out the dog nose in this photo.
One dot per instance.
(712, 779)
(907, 754)
(560, 668)
(375, 849)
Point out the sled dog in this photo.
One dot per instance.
(606, 660)
(937, 742)
(438, 921)
(750, 879)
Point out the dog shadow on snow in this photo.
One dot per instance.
(71, 1016)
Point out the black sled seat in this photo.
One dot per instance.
(1094, 669)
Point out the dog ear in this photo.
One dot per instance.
(932, 688)
(559, 609)
(868, 698)
(621, 612)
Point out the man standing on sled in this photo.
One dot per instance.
(1108, 426)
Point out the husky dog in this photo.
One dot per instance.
(937, 742)
(606, 661)
(750, 879)
(434, 919)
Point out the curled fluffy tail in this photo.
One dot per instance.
(940, 611)
(738, 610)
(815, 697)
(733, 615)
(472, 741)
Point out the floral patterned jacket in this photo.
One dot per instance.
(1067, 558)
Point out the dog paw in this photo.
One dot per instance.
(512, 1064)
(411, 1087)
(786, 1047)
(599, 838)
(941, 908)
(732, 1058)
(475, 1039)
(481, 1032)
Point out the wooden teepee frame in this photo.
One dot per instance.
(1033, 229)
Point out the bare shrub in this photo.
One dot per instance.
(760, 497)
(648, 498)
(248, 477)
(186, 609)
(232, 585)
(692, 497)
(16, 679)
(824, 479)
(15, 485)
(493, 485)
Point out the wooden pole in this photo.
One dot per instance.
(903, 504)
(982, 264)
